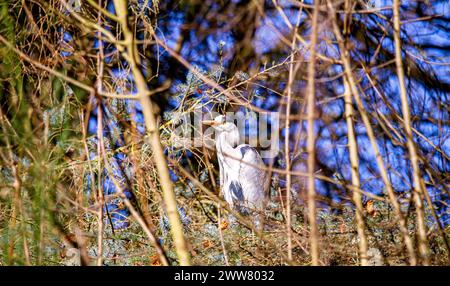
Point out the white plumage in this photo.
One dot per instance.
(243, 180)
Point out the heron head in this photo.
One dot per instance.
(219, 120)
(222, 126)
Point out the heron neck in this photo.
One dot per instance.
(225, 149)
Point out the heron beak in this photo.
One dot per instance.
(209, 122)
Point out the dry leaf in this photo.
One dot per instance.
(154, 260)
(207, 243)
(370, 208)
(223, 225)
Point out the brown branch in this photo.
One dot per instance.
(380, 163)
(152, 128)
(418, 190)
(311, 141)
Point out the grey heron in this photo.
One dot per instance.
(243, 181)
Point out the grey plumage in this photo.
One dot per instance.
(243, 180)
(236, 192)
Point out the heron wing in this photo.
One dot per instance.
(236, 192)
(252, 178)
